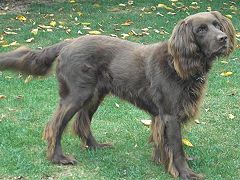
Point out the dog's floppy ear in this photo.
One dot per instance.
(184, 50)
(227, 28)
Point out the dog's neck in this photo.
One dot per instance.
(200, 74)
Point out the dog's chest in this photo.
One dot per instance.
(191, 99)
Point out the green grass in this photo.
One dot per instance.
(22, 120)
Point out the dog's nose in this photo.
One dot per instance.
(222, 38)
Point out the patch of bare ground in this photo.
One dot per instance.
(22, 5)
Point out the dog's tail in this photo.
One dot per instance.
(32, 62)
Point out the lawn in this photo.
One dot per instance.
(27, 103)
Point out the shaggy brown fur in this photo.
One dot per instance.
(165, 79)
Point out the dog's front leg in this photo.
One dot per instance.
(176, 162)
(161, 151)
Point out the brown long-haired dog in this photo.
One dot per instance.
(165, 79)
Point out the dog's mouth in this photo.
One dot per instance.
(222, 50)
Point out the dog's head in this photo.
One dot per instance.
(200, 37)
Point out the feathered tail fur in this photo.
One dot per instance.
(32, 62)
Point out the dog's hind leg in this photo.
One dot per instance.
(68, 106)
(82, 123)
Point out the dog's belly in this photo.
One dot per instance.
(138, 97)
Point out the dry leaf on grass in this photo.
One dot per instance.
(94, 32)
(147, 122)
(226, 74)
(21, 18)
(85, 23)
(127, 23)
(14, 43)
(2, 97)
(165, 7)
(231, 116)
(197, 121)
(224, 62)
(229, 16)
(187, 142)
(34, 31)
(53, 23)
(29, 40)
(28, 79)
(9, 32)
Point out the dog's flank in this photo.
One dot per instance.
(166, 79)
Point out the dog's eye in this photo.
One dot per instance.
(217, 25)
(202, 28)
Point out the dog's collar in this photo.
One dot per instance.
(199, 78)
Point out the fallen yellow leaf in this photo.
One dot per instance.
(233, 8)
(68, 31)
(86, 28)
(122, 5)
(127, 23)
(209, 8)
(80, 32)
(114, 9)
(187, 142)
(171, 13)
(19, 96)
(113, 35)
(34, 31)
(3, 42)
(224, 62)
(53, 23)
(226, 74)
(231, 116)
(146, 122)
(61, 23)
(94, 32)
(21, 18)
(132, 32)
(96, 5)
(28, 79)
(14, 43)
(145, 29)
(165, 7)
(197, 121)
(86, 23)
(124, 35)
(80, 13)
(10, 32)
(44, 26)
(229, 16)
(194, 7)
(29, 40)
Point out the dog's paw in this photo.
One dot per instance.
(189, 175)
(64, 160)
